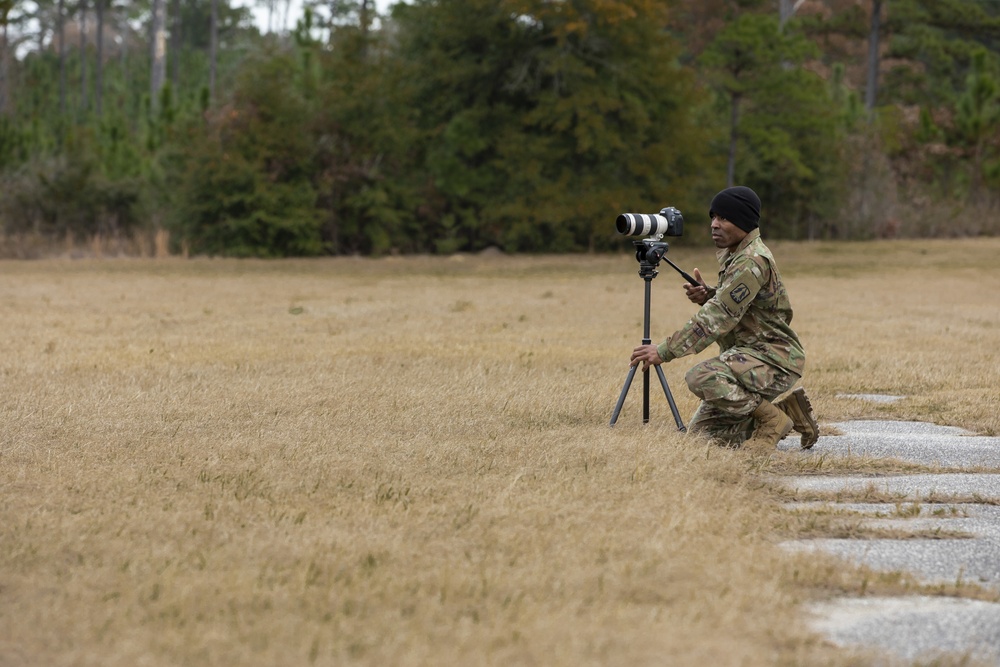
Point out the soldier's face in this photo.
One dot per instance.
(725, 234)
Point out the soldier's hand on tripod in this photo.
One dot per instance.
(699, 293)
(647, 355)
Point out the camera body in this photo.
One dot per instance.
(668, 222)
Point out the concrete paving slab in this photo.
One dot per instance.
(908, 441)
(943, 561)
(913, 628)
(974, 559)
(873, 398)
(933, 560)
(909, 487)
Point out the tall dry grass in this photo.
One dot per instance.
(408, 462)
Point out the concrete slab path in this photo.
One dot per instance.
(909, 441)
(915, 628)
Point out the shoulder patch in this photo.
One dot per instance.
(739, 293)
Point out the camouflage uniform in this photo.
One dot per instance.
(749, 316)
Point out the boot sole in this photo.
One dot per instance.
(800, 410)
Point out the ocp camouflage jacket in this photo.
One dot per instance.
(749, 310)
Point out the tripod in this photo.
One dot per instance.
(648, 253)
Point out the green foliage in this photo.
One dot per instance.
(455, 125)
(195, 21)
(364, 140)
(783, 121)
(978, 121)
(927, 130)
(62, 197)
(932, 46)
(979, 105)
(752, 51)
(246, 187)
(542, 122)
(13, 149)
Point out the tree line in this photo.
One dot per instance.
(528, 125)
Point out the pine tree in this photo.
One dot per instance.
(543, 121)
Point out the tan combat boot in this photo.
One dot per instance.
(772, 425)
(797, 406)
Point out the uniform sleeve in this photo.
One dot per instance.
(719, 315)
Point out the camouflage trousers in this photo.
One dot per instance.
(731, 387)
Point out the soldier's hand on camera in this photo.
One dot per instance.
(647, 355)
(699, 293)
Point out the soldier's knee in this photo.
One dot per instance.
(701, 376)
(693, 379)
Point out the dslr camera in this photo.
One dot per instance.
(654, 226)
(668, 222)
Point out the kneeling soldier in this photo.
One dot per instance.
(748, 314)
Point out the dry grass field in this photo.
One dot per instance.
(407, 461)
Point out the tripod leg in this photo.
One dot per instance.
(670, 400)
(645, 396)
(621, 398)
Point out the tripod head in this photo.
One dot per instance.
(648, 252)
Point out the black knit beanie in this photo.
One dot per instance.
(739, 205)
